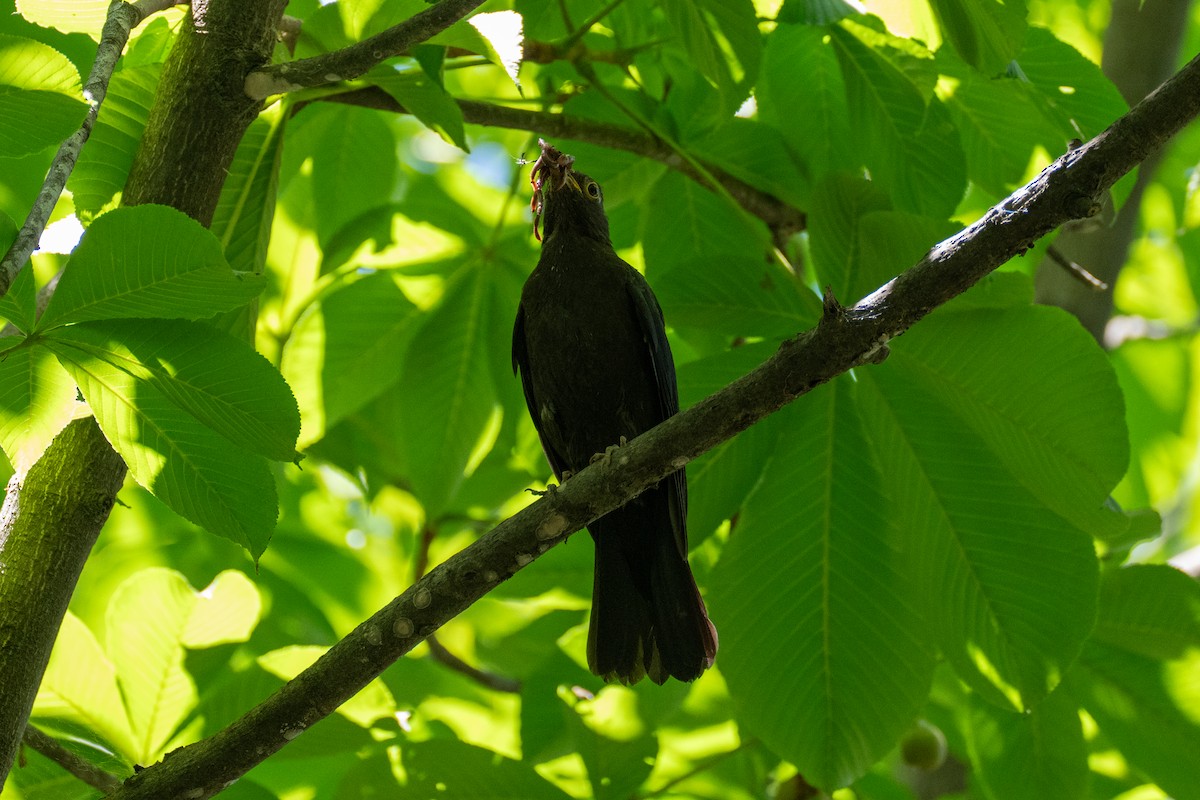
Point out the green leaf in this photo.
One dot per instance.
(1028, 756)
(840, 201)
(19, 303)
(99, 178)
(1149, 609)
(689, 25)
(147, 262)
(1052, 413)
(822, 641)
(617, 749)
(442, 768)
(757, 154)
(1144, 703)
(1010, 583)
(715, 47)
(907, 139)
(40, 97)
(425, 100)
(684, 224)
(246, 209)
(195, 471)
(448, 415)
(878, 91)
(985, 33)
(745, 296)
(37, 400)
(80, 688)
(503, 37)
(1072, 89)
(354, 165)
(891, 242)
(152, 617)
(927, 173)
(816, 12)
(68, 16)
(824, 141)
(348, 349)
(1000, 126)
(734, 26)
(721, 480)
(216, 378)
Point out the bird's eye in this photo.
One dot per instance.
(593, 190)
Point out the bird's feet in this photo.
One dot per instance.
(551, 488)
(608, 451)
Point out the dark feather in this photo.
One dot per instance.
(591, 348)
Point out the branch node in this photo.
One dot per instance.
(554, 526)
(831, 309)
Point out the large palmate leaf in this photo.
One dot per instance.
(147, 262)
(347, 350)
(159, 423)
(823, 142)
(214, 377)
(823, 642)
(1010, 573)
(152, 617)
(448, 414)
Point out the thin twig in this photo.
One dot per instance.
(501, 683)
(588, 23)
(122, 18)
(783, 219)
(1075, 270)
(79, 767)
(352, 61)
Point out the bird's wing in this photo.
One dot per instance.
(520, 364)
(650, 319)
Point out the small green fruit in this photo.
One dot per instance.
(924, 746)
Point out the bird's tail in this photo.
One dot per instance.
(647, 615)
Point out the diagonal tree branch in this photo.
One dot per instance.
(122, 18)
(1068, 189)
(352, 61)
(79, 767)
(783, 219)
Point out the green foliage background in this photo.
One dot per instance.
(940, 537)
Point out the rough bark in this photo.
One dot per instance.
(50, 520)
(1141, 46)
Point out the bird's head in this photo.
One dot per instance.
(564, 199)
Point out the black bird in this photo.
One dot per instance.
(596, 368)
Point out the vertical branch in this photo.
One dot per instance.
(122, 18)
